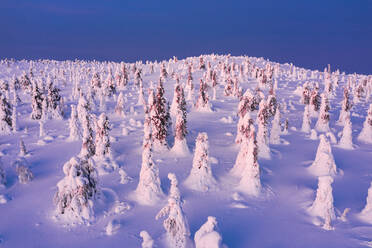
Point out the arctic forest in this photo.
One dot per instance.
(210, 151)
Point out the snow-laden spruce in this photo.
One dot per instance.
(345, 108)
(24, 173)
(324, 163)
(119, 109)
(250, 182)
(5, 115)
(160, 118)
(262, 139)
(103, 154)
(207, 236)
(366, 133)
(322, 206)
(22, 149)
(2, 175)
(202, 103)
(346, 141)
(366, 213)
(275, 128)
(148, 191)
(306, 120)
(322, 125)
(176, 225)
(201, 177)
(74, 125)
(77, 191)
(180, 147)
(244, 133)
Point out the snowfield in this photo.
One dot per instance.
(283, 156)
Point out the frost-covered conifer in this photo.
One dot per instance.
(77, 190)
(160, 119)
(148, 191)
(345, 108)
(147, 241)
(324, 163)
(243, 126)
(163, 72)
(366, 213)
(180, 145)
(315, 101)
(95, 83)
(141, 97)
(201, 177)
(322, 125)
(5, 115)
(102, 141)
(36, 102)
(25, 83)
(275, 128)
(272, 105)
(22, 149)
(207, 236)
(174, 192)
(176, 96)
(119, 109)
(306, 120)
(24, 173)
(54, 100)
(250, 173)
(366, 133)
(88, 147)
(262, 140)
(176, 226)
(202, 103)
(323, 204)
(73, 125)
(346, 140)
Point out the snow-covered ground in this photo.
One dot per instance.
(281, 215)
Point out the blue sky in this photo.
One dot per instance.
(310, 34)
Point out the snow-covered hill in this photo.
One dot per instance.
(106, 172)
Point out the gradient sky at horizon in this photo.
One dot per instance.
(309, 34)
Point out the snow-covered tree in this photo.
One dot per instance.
(88, 147)
(5, 115)
(160, 118)
(148, 191)
(73, 125)
(323, 204)
(324, 163)
(77, 190)
(176, 226)
(119, 109)
(275, 128)
(54, 99)
(102, 141)
(207, 236)
(346, 140)
(322, 125)
(180, 145)
(36, 102)
(202, 103)
(315, 101)
(366, 133)
(174, 192)
(24, 173)
(22, 149)
(306, 120)
(262, 139)
(345, 108)
(147, 241)
(201, 177)
(243, 125)
(250, 182)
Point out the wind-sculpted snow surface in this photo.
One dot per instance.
(92, 153)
